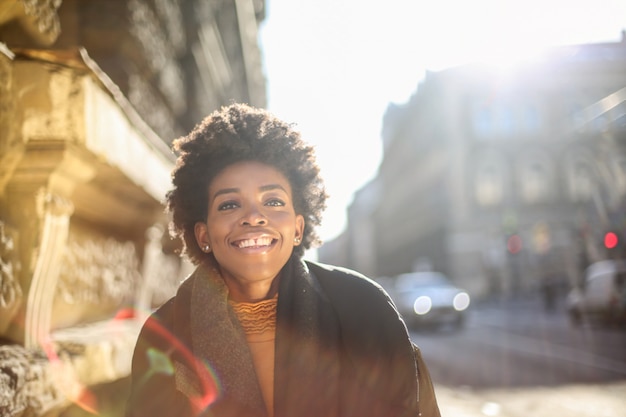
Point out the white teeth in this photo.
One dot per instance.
(263, 241)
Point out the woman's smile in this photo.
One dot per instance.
(262, 242)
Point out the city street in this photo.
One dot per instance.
(514, 357)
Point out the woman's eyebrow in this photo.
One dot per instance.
(267, 187)
(270, 187)
(225, 191)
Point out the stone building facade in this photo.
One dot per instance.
(91, 95)
(504, 181)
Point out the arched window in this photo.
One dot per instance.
(587, 176)
(619, 173)
(489, 180)
(535, 179)
(581, 183)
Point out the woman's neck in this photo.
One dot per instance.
(251, 292)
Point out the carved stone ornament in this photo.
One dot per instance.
(10, 290)
(162, 273)
(9, 269)
(98, 271)
(38, 17)
(29, 383)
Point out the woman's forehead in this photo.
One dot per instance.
(250, 174)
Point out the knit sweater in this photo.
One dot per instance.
(258, 321)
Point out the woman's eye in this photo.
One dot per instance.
(227, 205)
(275, 202)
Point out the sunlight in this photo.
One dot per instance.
(507, 60)
(334, 68)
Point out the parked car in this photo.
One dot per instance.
(429, 299)
(602, 296)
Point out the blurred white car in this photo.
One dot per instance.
(429, 299)
(602, 297)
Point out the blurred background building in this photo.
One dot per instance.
(507, 181)
(91, 95)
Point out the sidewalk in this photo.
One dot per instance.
(607, 400)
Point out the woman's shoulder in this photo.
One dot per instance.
(335, 272)
(341, 281)
(363, 307)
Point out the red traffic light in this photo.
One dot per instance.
(610, 240)
(514, 244)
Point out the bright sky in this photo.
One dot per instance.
(333, 66)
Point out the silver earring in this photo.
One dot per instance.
(206, 248)
(296, 240)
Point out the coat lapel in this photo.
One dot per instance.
(218, 340)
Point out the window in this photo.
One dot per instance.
(489, 180)
(580, 179)
(481, 120)
(535, 180)
(501, 119)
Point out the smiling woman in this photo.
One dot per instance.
(255, 330)
(251, 228)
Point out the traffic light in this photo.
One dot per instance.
(610, 240)
(514, 244)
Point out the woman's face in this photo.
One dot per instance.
(251, 225)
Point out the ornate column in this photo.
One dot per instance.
(55, 212)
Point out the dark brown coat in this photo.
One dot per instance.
(342, 350)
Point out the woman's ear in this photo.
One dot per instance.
(202, 236)
(299, 232)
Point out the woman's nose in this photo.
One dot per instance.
(253, 217)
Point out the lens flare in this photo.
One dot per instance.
(69, 384)
(209, 389)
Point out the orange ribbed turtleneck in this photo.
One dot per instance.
(259, 324)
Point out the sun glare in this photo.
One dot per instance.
(334, 69)
(505, 61)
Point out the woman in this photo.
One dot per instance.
(255, 330)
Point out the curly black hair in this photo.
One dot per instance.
(236, 133)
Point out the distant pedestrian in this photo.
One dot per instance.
(256, 331)
(549, 291)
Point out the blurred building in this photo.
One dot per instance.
(506, 181)
(92, 92)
